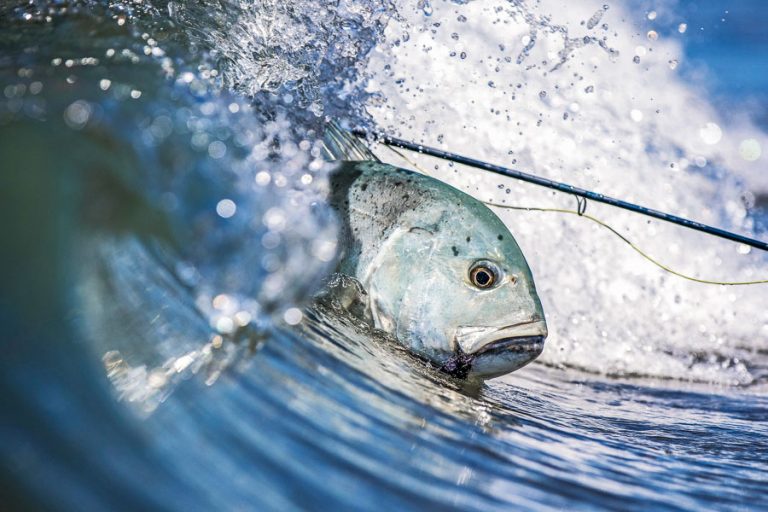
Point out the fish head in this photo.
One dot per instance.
(459, 292)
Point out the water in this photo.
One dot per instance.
(163, 231)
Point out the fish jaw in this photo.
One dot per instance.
(488, 352)
(475, 339)
(505, 356)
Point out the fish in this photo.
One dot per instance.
(442, 273)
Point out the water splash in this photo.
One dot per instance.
(648, 137)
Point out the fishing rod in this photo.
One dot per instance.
(562, 187)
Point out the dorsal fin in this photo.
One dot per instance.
(339, 144)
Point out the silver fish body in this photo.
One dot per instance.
(443, 273)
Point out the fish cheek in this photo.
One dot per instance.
(427, 308)
(395, 284)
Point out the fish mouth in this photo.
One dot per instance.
(478, 339)
(521, 349)
(521, 344)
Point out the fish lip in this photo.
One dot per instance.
(523, 344)
(460, 365)
(474, 340)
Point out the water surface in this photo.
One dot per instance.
(164, 232)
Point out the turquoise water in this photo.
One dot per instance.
(164, 232)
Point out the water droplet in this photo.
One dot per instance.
(77, 114)
(595, 19)
(275, 219)
(425, 6)
(711, 134)
(652, 15)
(682, 28)
(589, 89)
(652, 35)
(222, 302)
(750, 150)
(242, 318)
(542, 94)
(293, 316)
(263, 178)
(225, 325)
(217, 149)
(226, 208)
(636, 115)
(673, 64)
(463, 55)
(636, 59)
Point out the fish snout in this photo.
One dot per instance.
(524, 336)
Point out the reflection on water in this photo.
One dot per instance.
(163, 229)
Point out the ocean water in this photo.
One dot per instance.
(170, 329)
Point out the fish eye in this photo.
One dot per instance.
(483, 275)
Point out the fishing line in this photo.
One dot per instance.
(562, 187)
(580, 211)
(637, 249)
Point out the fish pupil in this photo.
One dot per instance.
(482, 277)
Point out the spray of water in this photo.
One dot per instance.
(579, 94)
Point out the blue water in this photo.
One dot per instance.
(724, 44)
(149, 357)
